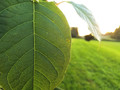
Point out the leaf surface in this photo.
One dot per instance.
(34, 45)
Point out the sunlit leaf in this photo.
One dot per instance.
(86, 14)
(34, 45)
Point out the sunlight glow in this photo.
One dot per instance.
(106, 13)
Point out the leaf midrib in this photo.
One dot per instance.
(34, 41)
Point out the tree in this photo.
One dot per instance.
(116, 33)
(89, 37)
(74, 32)
(35, 43)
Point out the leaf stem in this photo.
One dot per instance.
(60, 3)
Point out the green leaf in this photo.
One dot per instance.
(34, 45)
(86, 15)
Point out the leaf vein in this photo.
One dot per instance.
(15, 63)
(48, 60)
(16, 43)
(37, 86)
(50, 10)
(12, 6)
(26, 83)
(14, 28)
(50, 21)
(16, 15)
(43, 75)
(20, 75)
(50, 43)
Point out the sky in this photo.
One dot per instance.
(106, 13)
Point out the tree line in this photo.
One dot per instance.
(115, 34)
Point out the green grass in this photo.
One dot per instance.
(93, 66)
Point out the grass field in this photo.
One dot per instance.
(93, 66)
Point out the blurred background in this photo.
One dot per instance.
(94, 65)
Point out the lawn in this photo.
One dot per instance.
(93, 66)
